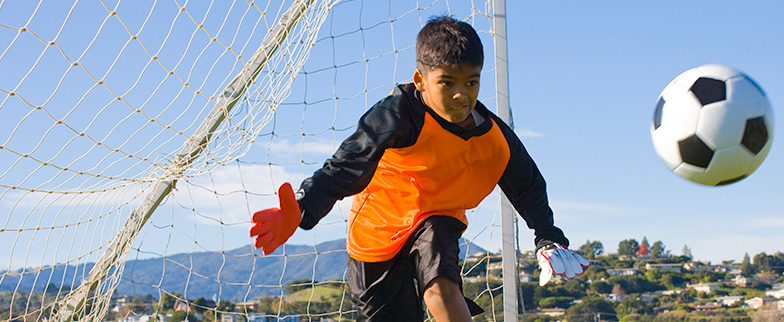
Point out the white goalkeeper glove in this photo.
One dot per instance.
(556, 259)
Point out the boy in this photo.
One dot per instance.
(418, 159)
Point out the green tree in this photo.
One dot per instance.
(592, 249)
(596, 272)
(633, 305)
(589, 309)
(769, 263)
(601, 287)
(657, 249)
(634, 284)
(167, 301)
(573, 288)
(182, 316)
(628, 247)
(536, 318)
(673, 280)
(267, 304)
(225, 306)
(597, 248)
(745, 266)
(672, 316)
(636, 318)
(528, 291)
(710, 276)
(141, 305)
(199, 305)
(558, 301)
(686, 252)
(474, 289)
(778, 262)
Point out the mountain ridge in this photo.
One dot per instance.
(236, 275)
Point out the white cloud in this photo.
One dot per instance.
(312, 146)
(766, 222)
(528, 133)
(229, 195)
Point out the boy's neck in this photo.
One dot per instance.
(469, 123)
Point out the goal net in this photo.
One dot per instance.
(137, 138)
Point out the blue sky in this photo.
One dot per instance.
(584, 79)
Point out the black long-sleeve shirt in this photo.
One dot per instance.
(405, 163)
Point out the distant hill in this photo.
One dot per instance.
(234, 275)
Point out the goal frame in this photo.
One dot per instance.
(103, 277)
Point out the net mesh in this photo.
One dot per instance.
(137, 138)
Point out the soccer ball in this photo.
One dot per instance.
(712, 125)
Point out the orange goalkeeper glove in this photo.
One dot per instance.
(274, 226)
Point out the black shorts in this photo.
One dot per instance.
(393, 290)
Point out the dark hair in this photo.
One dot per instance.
(446, 42)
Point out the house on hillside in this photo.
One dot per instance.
(743, 281)
(707, 307)
(525, 277)
(259, 317)
(669, 292)
(621, 271)
(247, 306)
(731, 269)
(704, 287)
(227, 317)
(776, 292)
(758, 302)
(615, 297)
(181, 305)
(119, 304)
(550, 311)
(698, 267)
(475, 256)
(728, 300)
(144, 318)
(678, 268)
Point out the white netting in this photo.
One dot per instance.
(114, 110)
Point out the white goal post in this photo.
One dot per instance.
(137, 137)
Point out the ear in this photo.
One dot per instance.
(419, 80)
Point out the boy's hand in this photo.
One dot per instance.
(556, 259)
(274, 226)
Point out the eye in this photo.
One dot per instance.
(472, 83)
(445, 83)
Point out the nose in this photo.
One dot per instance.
(459, 93)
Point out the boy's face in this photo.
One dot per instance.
(450, 91)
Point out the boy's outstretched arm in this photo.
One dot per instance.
(273, 226)
(525, 187)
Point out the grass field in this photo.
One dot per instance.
(318, 293)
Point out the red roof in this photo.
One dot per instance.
(643, 250)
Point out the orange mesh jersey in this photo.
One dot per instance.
(441, 174)
(405, 163)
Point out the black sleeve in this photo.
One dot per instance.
(386, 124)
(525, 187)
